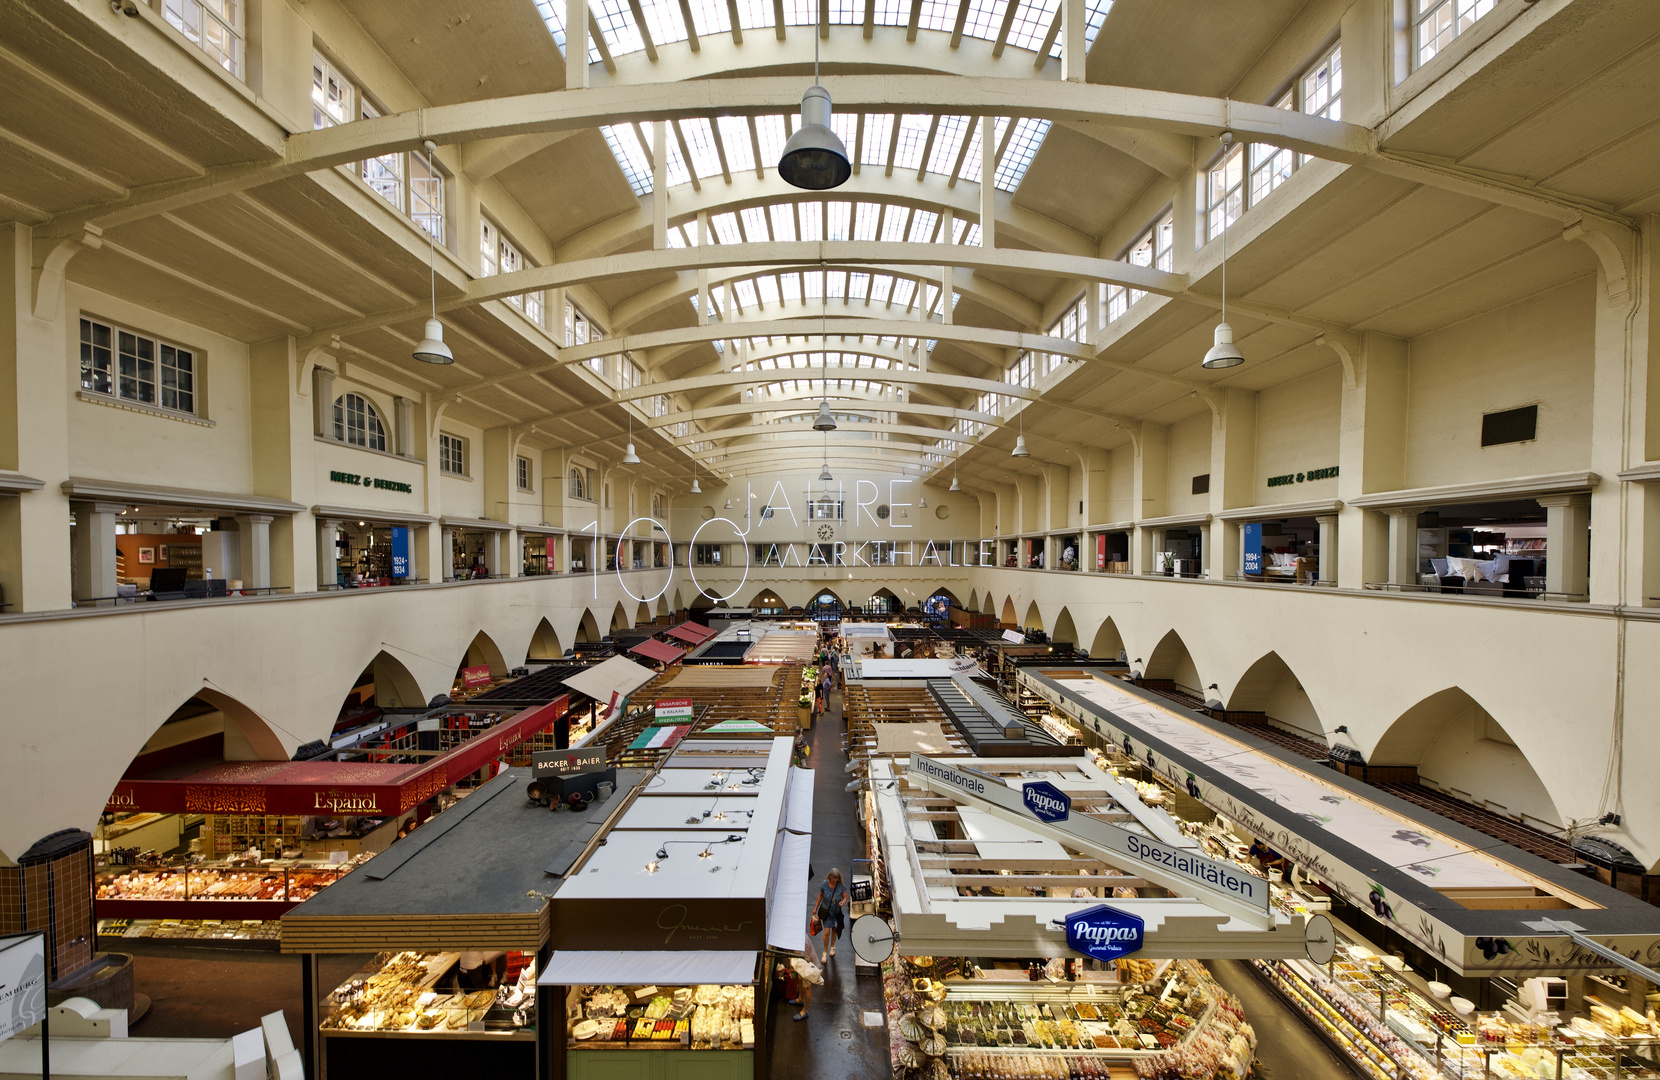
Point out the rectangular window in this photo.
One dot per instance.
(332, 95)
(1201, 484)
(580, 330)
(498, 255)
(524, 474)
(1152, 248)
(214, 26)
(134, 367)
(824, 510)
(452, 455)
(1322, 86)
(1437, 22)
(707, 555)
(1222, 194)
(1510, 426)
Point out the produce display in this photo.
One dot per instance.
(401, 993)
(706, 1017)
(1167, 1020)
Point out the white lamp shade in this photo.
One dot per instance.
(824, 421)
(1224, 354)
(815, 157)
(630, 457)
(954, 485)
(922, 502)
(432, 349)
(824, 473)
(696, 490)
(1020, 447)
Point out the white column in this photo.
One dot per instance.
(513, 553)
(95, 550)
(1328, 548)
(403, 427)
(492, 553)
(1073, 55)
(254, 549)
(1239, 568)
(988, 189)
(1568, 544)
(446, 555)
(1403, 546)
(322, 400)
(326, 572)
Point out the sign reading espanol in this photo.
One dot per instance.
(1185, 871)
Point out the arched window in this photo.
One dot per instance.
(576, 485)
(357, 422)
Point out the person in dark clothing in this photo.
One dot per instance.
(833, 903)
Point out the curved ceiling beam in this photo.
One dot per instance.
(840, 403)
(1008, 339)
(804, 255)
(934, 192)
(747, 430)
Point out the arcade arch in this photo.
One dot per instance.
(482, 651)
(1270, 687)
(544, 643)
(1034, 617)
(1065, 633)
(1171, 662)
(1107, 643)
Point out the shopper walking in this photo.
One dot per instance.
(832, 909)
(808, 973)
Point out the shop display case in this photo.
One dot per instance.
(705, 1017)
(419, 993)
(263, 890)
(261, 932)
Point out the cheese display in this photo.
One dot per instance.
(706, 1017)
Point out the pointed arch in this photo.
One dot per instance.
(988, 606)
(1107, 643)
(1009, 614)
(662, 606)
(1458, 746)
(973, 600)
(1171, 662)
(1034, 617)
(941, 590)
(619, 619)
(1270, 687)
(642, 617)
(395, 686)
(1064, 633)
(679, 604)
(483, 651)
(587, 630)
(544, 643)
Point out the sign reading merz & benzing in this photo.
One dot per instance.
(358, 480)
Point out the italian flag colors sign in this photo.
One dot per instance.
(656, 738)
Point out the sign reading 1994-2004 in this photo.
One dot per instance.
(22, 983)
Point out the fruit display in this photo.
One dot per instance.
(706, 1017)
(400, 993)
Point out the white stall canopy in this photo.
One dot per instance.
(575, 968)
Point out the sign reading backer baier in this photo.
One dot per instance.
(22, 983)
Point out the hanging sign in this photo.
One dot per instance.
(1103, 932)
(400, 551)
(475, 676)
(1047, 802)
(673, 709)
(22, 983)
(567, 762)
(1251, 548)
(1014, 637)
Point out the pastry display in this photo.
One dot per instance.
(705, 1017)
(415, 992)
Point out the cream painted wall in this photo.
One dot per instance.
(1535, 351)
(1463, 758)
(110, 443)
(329, 456)
(1289, 704)
(1297, 429)
(1121, 502)
(1189, 449)
(464, 496)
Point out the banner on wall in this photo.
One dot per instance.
(1101, 551)
(400, 551)
(22, 983)
(1251, 548)
(475, 676)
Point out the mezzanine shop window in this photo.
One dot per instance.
(356, 422)
(133, 367)
(580, 330)
(498, 255)
(214, 26)
(452, 455)
(1152, 248)
(1436, 22)
(707, 554)
(578, 485)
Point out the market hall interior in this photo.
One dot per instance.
(387, 402)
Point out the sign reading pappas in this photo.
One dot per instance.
(1103, 932)
(475, 676)
(674, 709)
(1046, 801)
(22, 983)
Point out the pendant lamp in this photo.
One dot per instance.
(815, 157)
(629, 456)
(1224, 353)
(824, 421)
(695, 489)
(954, 485)
(432, 349)
(824, 473)
(1020, 441)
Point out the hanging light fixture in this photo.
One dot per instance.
(432, 349)
(815, 157)
(824, 473)
(1224, 353)
(824, 421)
(695, 490)
(1020, 440)
(954, 485)
(629, 456)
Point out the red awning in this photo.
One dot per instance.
(328, 787)
(652, 649)
(692, 632)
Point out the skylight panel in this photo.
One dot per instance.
(836, 283)
(677, 239)
(846, 127)
(930, 296)
(1022, 148)
(754, 14)
(1095, 16)
(734, 136)
(973, 237)
(700, 140)
(985, 19)
(938, 15)
(626, 149)
(865, 221)
(745, 292)
(913, 133)
(800, 12)
(858, 286)
(892, 13)
(767, 287)
(726, 228)
(948, 140)
(893, 223)
(840, 220)
(923, 223)
(881, 286)
(878, 130)
(711, 17)
(664, 21)
(903, 290)
(755, 224)
(791, 285)
(1031, 24)
(553, 13)
(771, 132)
(617, 26)
(958, 228)
(810, 216)
(812, 282)
(717, 300)
(783, 222)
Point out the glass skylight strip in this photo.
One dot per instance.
(755, 224)
(858, 286)
(894, 218)
(923, 223)
(800, 12)
(881, 287)
(677, 239)
(734, 136)
(938, 15)
(846, 127)
(985, 19)
(616, 25)
(783, 222)
(711, 17)
(768, 288)
(665, 22)
(726, 228)
(754, 14)
(948, 140)
(891, 13)
(913, 132)
(745, 292)
(836, 284)
(973, 237)
(771, 131)
(632, 159)
(553, 13)
(700, 140)
(1022, 148)
(903, 290)
(790, 284)
(864, 223)
(810, 217)
(878, 129)
(1032, 20)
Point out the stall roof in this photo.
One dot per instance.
(984, 718)
(472, 877)
(617, 675)
(691, 632)
(652, 649)
(903, 740)
(539, 686)
(568, 967)
(917, 668)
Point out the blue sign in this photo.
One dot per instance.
(1047, 802)
(400, 552)
(1103, 933)
(1251, 543)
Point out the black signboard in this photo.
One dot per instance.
(546, 763)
